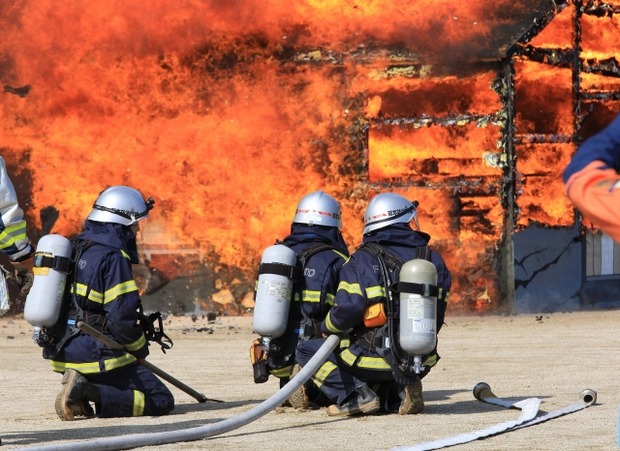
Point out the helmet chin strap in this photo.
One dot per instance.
(131, 215)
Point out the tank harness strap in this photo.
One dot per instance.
(423, 289)
(58, 262)
(312, 328)
(371, 339)
(279, 269)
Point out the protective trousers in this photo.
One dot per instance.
(131, 391)
(336, 378)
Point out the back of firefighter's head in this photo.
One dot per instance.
(320, 209)
(120, 205)
(386, 209)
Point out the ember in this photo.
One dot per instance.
(227, 113)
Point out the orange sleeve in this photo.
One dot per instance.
(595, 192)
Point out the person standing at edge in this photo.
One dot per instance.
(14, 241)
(592, 179)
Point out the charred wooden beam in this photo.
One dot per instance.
(481, 120)
(600, 95)
(552, 57)
(536, 138)
(608, 67)
(599, 9)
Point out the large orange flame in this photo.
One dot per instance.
(228, 112)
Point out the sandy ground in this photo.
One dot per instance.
(552, 357)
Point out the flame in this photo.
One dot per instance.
(228, 112)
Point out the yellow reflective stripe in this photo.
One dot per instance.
(118, 290)
(93, 367)
(138, 344)
(352, 288)
(118, 362)
(12, 234)
(138, 403)
(311, 295)
(445, 298)
(125, 254)
(430, 361)
(348, 357)
(373, 363)
(344, 256)
(330, 326)
(84, 368)
(110, 295)
(378, 291)
(80, 289)
(282, 372)
(323, 372)
(329, 299)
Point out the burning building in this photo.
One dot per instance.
(228, 112)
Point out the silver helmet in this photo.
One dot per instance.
(120, 205)
(318, 208)
(386, 209)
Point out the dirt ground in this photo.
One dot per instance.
(552, 357)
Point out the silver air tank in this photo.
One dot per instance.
(418, 307)
(51, 265)
(274, 291)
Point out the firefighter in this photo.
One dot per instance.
(592, 179)
(360, 377)
(104, 288)
(321, 251)
(13, 239)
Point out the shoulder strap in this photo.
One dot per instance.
(304, 255)
(391, 260)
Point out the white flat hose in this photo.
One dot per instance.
(210, 430)
(529, 411)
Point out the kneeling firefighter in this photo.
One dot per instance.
(297, 281)
(100, 291)
(389, 306)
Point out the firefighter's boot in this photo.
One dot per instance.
(362, 401)
(73, 399)
(411, 401)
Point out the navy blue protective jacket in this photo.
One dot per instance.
(106, 290)
(361, 281)
(313, 294)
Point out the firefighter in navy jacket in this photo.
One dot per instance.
(349, 375)
(108, 295)
(592, 179)
(316, 239)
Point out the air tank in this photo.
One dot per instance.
(274, 291)
(418, 310)
(51, 264)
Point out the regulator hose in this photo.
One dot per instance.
(210, 430)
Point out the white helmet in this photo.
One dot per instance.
(120, 205)
(318, 208)
(386, 209)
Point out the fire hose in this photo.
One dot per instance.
(210, 430)
(529, 411)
